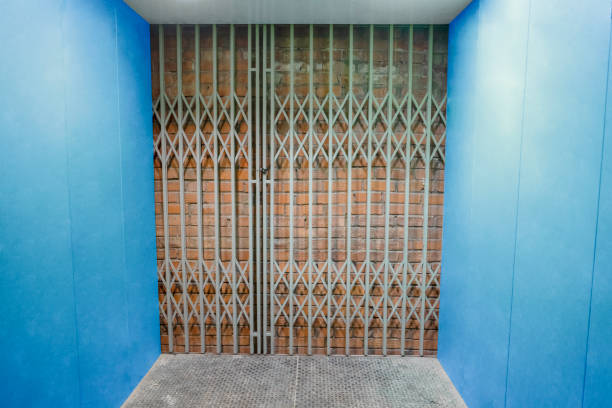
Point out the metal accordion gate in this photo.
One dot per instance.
(299, 186)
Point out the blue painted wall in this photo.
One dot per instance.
(77, 245)
(526, 307)
(598, 377)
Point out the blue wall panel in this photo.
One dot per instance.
(134, 76)
(564, 110)
(96, 199)
(78, 230)
(38, 341)
(598, 377)
(516, 283)
(484, 235)
(453, 339)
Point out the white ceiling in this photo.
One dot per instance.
(299, 11)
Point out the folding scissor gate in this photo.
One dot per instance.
(299, 187)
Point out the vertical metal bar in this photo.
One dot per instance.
(368, 267)
(408, 164)
(272, 167)
(233, 135)
(329, 187)
(250, 192)
(164, 140)
(310, 164)
(349, 261)
(427, 160)
(260, 334)
(199, 187)
(179, 103)
(388, 187)
(264, 194)
(218, 264)
(291, 137)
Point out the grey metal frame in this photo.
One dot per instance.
(261, 147)
(233, 110)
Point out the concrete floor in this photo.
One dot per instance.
(191, 380)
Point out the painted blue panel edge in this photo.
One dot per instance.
(597, 387)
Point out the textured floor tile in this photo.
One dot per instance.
(291, 381)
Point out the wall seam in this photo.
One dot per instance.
(518, 194)
(121, 187)
(474, 115)
(603, 145)
(67, 146)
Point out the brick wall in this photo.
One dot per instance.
(378, 306)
